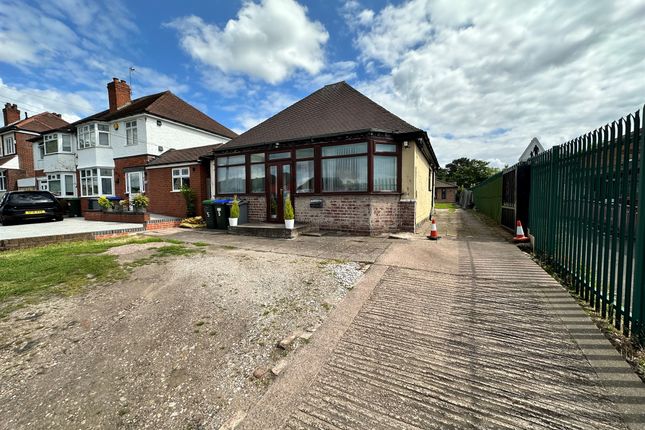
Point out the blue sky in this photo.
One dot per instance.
(482, 78)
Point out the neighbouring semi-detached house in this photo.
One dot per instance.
(17, 168)
(107, 153)
(347, 164)
(173, 170)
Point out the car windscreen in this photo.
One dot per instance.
(29, 199)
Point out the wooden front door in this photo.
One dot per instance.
(278, 190)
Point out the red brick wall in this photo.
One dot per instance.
(25, 153)
(129, 217)
(120, 164)
(12, 178)
(166, 202)
(451, 195)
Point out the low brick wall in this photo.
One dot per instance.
(159, 224)
(32, 242)
(129, 217)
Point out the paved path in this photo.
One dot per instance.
(467, 332)
(65, 227)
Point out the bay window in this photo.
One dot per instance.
(86, 136)
(61, 184)
(180, 178)
(97, 182)
(385, 167)
(66, 142)
(305, 170)
(131, 132)
(9, 145)
(344, 167)
(258, 173)
(51, 143)
(231, 174)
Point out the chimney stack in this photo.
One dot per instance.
(10, 113)
(118, 94)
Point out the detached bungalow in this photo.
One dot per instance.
(345, 162)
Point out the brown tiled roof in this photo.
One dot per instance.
(173, 156)
(438, 183)
(37, 123)
(164, 105)
(334, 109)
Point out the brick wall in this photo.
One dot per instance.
(451, 195)
(120, 164)
(128, 217)
(166, 202)
(12, 178)
(25, 153)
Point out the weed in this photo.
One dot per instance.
(201, 243)
(229, 247)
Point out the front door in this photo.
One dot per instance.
(279, 189)
(134, 184)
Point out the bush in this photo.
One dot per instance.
(288, 209)
(235, 208)
(140, 201)
(105, 203)
(189, 196)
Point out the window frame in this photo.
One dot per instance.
(181, 177)
(316, 161)
(131, 133)
(5, 140)
(368, 154)
(249, 166)
(397, 156)
(95, 173)
(3, 180)
(244, 163)
(142, 175)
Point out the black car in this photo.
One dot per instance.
(29, 205)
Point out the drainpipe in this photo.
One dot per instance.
(213, 178)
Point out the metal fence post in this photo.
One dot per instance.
(638, 304)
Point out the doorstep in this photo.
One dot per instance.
(265, 229)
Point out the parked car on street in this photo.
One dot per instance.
(29, 205)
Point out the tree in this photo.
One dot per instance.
(466, 172)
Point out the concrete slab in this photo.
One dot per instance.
(467, 332)
(66, 227)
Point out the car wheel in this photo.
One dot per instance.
(58, 218)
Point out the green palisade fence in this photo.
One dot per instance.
(487, 197)
(584, 217)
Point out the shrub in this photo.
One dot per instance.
(235, 208)
(105, 203)
(189, 196)
(140, 201)
(288, 209)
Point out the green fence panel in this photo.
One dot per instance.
(487, 197)
(583, 207)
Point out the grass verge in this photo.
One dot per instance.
(451, 206)
(31, 274)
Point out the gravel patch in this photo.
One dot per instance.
(174, 346)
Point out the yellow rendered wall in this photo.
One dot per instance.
(415, 177)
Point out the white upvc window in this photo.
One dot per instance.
(41, 150)
(180, 178)
(135, 183)
(61, 184)
(9, 145)
(51, 143)
(97, 182)
(104, 134)
(131, 133)
(86, 136)
(3, 180)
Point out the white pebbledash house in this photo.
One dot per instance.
(106, 153)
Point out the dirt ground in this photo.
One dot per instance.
(175, 346)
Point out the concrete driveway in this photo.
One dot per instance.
(66, 227)
(466, 332)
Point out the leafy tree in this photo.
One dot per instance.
(466, 172)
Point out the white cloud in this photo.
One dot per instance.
(72, 106)
(268, 41)
(485, 77)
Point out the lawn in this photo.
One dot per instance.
(452, 206)
(31, 274)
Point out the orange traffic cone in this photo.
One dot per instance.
(519, 233)
(434, 234)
